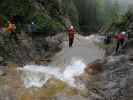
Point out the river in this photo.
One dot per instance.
(66, 65)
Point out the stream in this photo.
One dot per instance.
(66, 65)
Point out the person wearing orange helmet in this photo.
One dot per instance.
(11, 30)
(10, 27)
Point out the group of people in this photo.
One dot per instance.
(121, 40)
(120, 37)
(11, 27)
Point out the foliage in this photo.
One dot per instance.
(16, 7)
(86, 15)
(52, 7)
(47, 21)
(46, 24)
(91, 15)
(124, 21)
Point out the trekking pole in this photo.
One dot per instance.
(66, 39)
(77, 37)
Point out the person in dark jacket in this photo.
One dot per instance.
(1, 25)
(108, 39)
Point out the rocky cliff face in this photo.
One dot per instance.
(26, 48)
(111, 79)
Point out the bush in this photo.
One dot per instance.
(123, 24)
(55, 26)
(25, 10)
(3, 20)
(46, 24)
(16, 7)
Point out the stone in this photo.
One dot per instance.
(93, 68)
(114, 78)
(42, 61)
(2, 73)
(1, 59)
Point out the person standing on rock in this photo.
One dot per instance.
(1, 30)
(71, 32)
(108, 39)
(11, 30)
(121, 38)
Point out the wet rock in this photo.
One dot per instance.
(111, 80)
(78, 97)
(94, 68)
(2, 61)
(3, 70)
(130, 58)
(2, 73)
(27, 48)
(42, 61)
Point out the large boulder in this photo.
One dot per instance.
(26, 48)
(111, 80)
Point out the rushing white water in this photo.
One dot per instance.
(37, 76)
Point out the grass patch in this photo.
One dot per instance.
(2, 81)
(53, 88)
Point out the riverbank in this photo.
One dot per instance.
(101, 78)
(16, 79)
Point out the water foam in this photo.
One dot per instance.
(37, 76)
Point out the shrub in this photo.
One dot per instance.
(46, 24)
